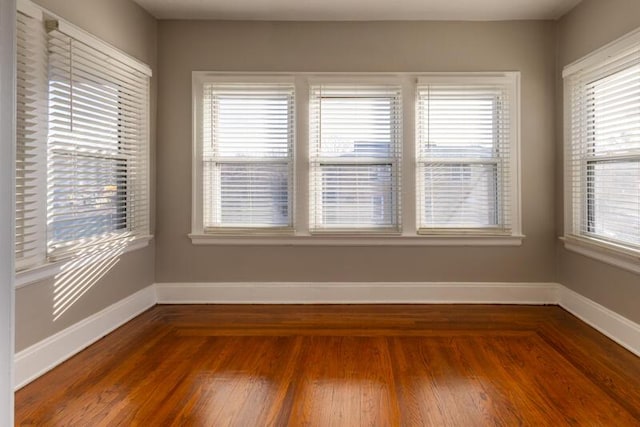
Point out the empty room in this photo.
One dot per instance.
(320, 213)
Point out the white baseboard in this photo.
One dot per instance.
(50, 352)
(618, 328)
(40, 358)
(608, 322)
(356, 293)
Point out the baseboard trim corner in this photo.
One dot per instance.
(611, 324)
(45, 355)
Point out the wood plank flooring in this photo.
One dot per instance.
(372, 365)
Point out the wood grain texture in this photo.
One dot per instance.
(371, 365)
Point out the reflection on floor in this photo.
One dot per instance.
(342, 365)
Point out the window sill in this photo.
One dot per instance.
(53, 268)
(608, 253)
(356, 240)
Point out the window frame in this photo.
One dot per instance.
(511, 81)
(396, 162)
(302, 234)
(589, 244)
(197, 210)
(52, 263)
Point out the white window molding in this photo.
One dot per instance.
(602, 160)
(355, 240)
(604, 252)
(303, 234)
(603, 54)
(54, 268)
(31, 9)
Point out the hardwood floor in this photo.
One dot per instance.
(342, 366)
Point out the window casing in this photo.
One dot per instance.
(355, 162)
(83, 137)
(602, 155)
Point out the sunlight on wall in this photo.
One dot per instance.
(86, 269)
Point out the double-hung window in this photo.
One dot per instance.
(354, 155)
(602, 179)
(384, 158)
(466, 154)
(82, 143)
(247, 157)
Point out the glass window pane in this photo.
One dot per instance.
(359, 196)
(614, 200)
(460, 195)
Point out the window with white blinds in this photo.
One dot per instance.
(97, 146)
(247, 156)
(603, 149)
(31, 136)
(465, 155)
(355, 146)
(82, 142)
(360, 173)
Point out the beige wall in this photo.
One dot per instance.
(129, 28)
(185, 46)
(589, 26)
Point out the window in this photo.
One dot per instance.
(82, 158)
(380, 159)
(247, 155)
(355, 153)
(603, 147)
(466, 154)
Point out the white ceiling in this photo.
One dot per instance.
(359, 10)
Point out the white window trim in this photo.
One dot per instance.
(601, 250)
(301, 235)
(604, 252)
(356, 240)
(29, 8)
(51, 267)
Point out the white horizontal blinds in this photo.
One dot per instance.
(248, 137)
(31, 127)
(463, 143)
(604, 154)
(97, 147)
(355, 136)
